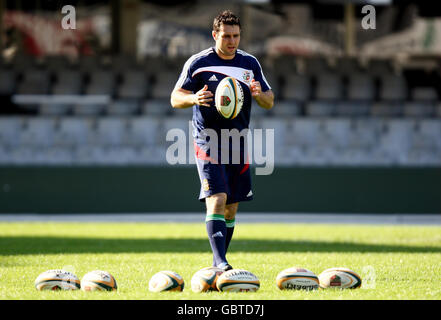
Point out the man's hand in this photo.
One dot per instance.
(256, 88)
(263, 99)
(203, 97)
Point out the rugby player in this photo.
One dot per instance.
(223, 185)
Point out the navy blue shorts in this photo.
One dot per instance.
(233, 179)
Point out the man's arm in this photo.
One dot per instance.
(263, 99)
(181, 98)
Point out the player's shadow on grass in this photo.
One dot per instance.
(66, 245)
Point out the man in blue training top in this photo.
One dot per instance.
(223, 184)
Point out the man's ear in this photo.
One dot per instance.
(214, 34)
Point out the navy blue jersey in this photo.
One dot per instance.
(207, 68)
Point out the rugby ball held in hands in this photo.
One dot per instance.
(237, 280)
(205, 279)
(98, 280)
(229, 97)
(166, 281)
(297, 279)
(57, 280)
(340, 278)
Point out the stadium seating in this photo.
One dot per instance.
(143, 131)
(296, 87)
(101, 82)
(7, 81)
(320, 108)
(10, 130)
(393, 88)
(74, 131)
(361, 87)
(35, 81)
(123, 107)
(329, 87)
(386, 109)
(339, 113)
(68, 81)
(134, 85)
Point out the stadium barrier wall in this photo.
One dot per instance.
(175, 189)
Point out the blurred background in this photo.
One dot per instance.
(84, 112)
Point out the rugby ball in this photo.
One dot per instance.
(166, 281)
(339, 278)
(237, 280)
(297, 279)
(98, 280)
(57, 280)
(229, 97)
(205, 279)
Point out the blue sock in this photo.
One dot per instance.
(217, 231)
(230, 230)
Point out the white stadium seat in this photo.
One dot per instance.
(38, 132)
(365, 133)
(337, 131)
(396, 137)
(74, 131)
(111, 131)
(10, 130)
(307, 132)
(143, 131)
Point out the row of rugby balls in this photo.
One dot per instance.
(206, 279)
(96, 280)
(237, 280)
(299, 278)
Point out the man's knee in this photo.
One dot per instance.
(230, 210)
(216, 203)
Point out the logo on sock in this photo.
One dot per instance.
(217, 234)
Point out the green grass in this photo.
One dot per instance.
(403, 262)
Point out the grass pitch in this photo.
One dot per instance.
(395, 262)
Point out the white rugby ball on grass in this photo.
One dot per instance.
(238, 280)
(297, 279)
(166, 281)
(339, 278)
(205, 279)
(57, 280)
(229, 97)
(98, 280)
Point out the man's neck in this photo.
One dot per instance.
(222, 56)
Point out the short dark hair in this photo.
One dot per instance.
(225, 17)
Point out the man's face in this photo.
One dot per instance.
(227, 40)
